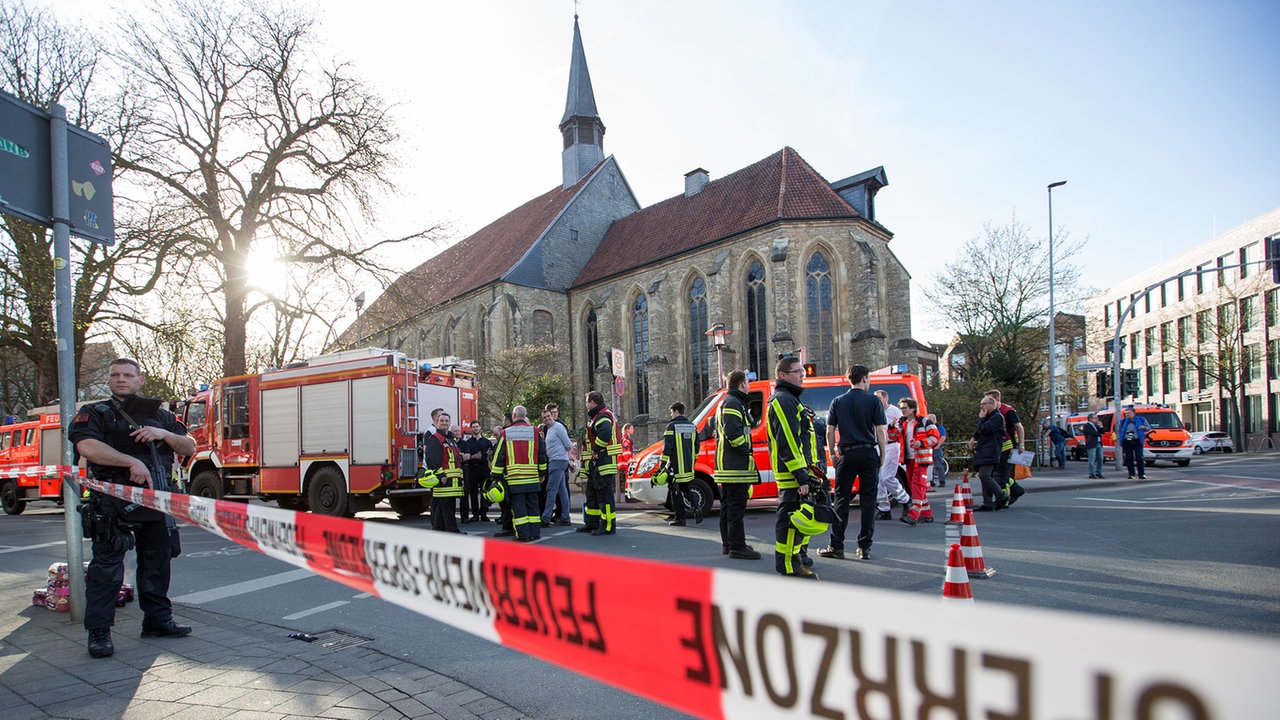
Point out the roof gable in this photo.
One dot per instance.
(780, 187)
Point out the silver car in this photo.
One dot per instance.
(1203, 442)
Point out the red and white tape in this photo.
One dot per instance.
(729, 644)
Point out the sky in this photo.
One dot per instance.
(1161, 116)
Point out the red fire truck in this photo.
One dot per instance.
(334, 435)
(30, 453)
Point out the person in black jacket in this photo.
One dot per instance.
(735, 467)
(988, 437)
(1092, 432)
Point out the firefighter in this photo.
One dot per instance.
(604, 447)
(679, 449)
(793, 451)
(919, 438)
(735, 467)
(442, 464)
(521, 462)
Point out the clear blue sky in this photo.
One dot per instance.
(1162, 116)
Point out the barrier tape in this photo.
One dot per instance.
(730, 644)
(41, 471)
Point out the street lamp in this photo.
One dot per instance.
(359, 305)
(718, 333)
(1053, 400)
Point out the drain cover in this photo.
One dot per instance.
(337, 640)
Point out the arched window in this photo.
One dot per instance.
(446, 344)
(483, 335)
(699, 347)
(593, 348)
(757, 335)
(542, 327)
(821, 339)
(640, 351)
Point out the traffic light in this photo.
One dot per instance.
(810, 370)
(1102, 384)
(1130, 382)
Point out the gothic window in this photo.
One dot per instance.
(542, 327)
(820, 314)
(699, 345)
(483, 335)
(446, 346)
(593, 348)
(640, 352)
(757, 336)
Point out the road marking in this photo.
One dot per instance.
(314, 610)
(32, 547)
(241, 588)
(1164, 501)
(361, 596)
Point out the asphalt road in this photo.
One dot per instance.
(1189, 546)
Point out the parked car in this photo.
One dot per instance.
(1204, 442)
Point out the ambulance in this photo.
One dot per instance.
(1167, 439)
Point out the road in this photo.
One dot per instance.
(1190, 546)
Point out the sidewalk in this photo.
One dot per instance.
(227, 668)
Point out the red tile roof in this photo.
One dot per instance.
(780, 187)
(470, 264)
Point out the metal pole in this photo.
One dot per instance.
(1053, 397)
(66, 349)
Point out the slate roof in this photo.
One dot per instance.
(780, 187)
(484, 257)
(581, 99)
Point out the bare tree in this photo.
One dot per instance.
(520, 376)
(248, 140)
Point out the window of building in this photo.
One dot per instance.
(1164, 294)
(1248, 313)
(757, 322)
(1253, 413)
(1188, 373)
(1151, 380)
(1273, 359)
(1200, 272)
(1228, 322)
(1166, 379)
(1184, 330)
(1251, 362)
(640, 351)
(1146, 303)
(1273, 408)
(592, 335)
(1149, 341)
(1206, 363)
(1204, 326)
(1273, 313)
(1182, 289)
(821, 314)
(1106, 315)
(699, 343)
(1222, 274)
(1166, 336)
(1248, 254)
(1133, 347)
(542, 328)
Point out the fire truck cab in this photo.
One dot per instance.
(819, 391)
(335, 435)
(30, 455)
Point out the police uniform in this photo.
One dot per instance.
(104, 422)
(679, 449)
(521, 461)
(441, 454)
(855, 416)
(605, 446)
(792, 451)
(735, 471)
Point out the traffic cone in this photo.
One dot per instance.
(957, 507)
(957, 586)
(968, 492)
(972, 548)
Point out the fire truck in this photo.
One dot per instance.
(334, 435)
(30, 454)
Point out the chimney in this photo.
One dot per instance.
(694, 181)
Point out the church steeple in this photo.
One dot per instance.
(581, 129)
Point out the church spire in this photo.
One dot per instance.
(580, 128)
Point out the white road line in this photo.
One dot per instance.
(361, 596)
(1166, 501)
(241, 588)
(32, 547)
(314, 610)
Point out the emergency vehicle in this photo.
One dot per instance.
(335, 435)
(30, 455)
(1167, 439)
(819, 391)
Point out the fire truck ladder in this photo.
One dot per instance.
(410, 369)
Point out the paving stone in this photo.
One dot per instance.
(390, 695)
(410, 707)
(363, 700)
(303, 705)
(344, 713)
(312, 686)
(166, 691)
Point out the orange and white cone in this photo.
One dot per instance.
(968, 491)
(957, 586)
(972, 549)
(957, 507)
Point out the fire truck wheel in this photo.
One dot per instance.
(700, 492)
(206, 484)
(9, 498)
(410, 506)
(327, 493)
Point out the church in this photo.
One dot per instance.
(774, 253)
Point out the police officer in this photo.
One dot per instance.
(521, 461)
(124, 439)
(735, 467)
(857, 428)
(793, 451)
(442, 463)
(604, 446)
(679, 449)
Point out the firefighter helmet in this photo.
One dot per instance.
(808, 521)
(428, 478)
(495, 492)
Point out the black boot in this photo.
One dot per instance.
(100, 645)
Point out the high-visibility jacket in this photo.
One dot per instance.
(603, 441)
(680, 448)
(792, 446)
(441, 454)
(735, 458)
(521, 457)
(921, 430)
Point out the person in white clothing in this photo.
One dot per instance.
(889, 485)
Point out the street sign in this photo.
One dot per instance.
(26, 176)
(1093, 366)
(618, 386)
(619, 359)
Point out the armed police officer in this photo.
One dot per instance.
(679, 449)
(128, 440)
